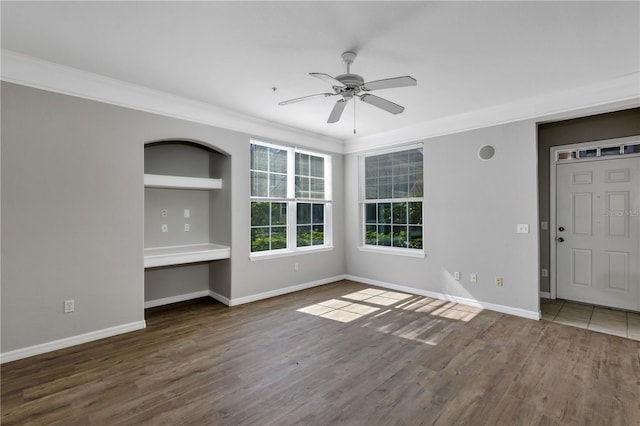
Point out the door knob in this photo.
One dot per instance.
(561, 229)
(560, 239)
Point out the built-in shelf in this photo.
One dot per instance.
(181, 182)
(176, 255)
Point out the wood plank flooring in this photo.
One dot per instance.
(343, 354)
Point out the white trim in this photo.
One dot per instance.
(266, 255)
(545, 295)
(535, 315)
(220, 298)
(281, 291)
(396, 251)
(181, 182)
(70, 341)
(176, 299)
(33, 72)
(618, 93)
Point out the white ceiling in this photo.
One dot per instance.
(466, 56)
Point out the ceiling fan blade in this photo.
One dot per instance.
(336, 112)
(304, 98)
(327, 78)
(389, 83)
(382, 103)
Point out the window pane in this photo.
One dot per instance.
(371, 234)
(370, 213)
(303, 236)
(259, 157)
(384, 235)
(278, 160)
(278, 186)
(415, 213)
(400, 186)
(415, 237)
(259, 184)
(371, 167)
(400, 236)
(304, 213)
(278, 214)
(302, 187)
(317, 235)
(384, 213)
(260, 214)
(371, 188)
(385, 188)
(317, 166)
(318, 213)
(317, 188)
(302, 164)
(400, 213)
(259, 239)
(278, 237)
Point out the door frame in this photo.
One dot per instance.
(552, 191)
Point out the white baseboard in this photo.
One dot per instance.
(175, 299)
(545, 295)
(70, 341)
(281, 291)
(462, 300)
(220, 298)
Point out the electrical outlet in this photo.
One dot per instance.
(473, 278)
(456, 275)
(499, 281)
(545, 272)
(69, 306)
(187, 227)
(544, 225)
(165, 227)
(296, 267)
(187, 213)
(164, 212)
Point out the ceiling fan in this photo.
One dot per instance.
(353, 85)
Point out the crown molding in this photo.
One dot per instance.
(40, 74)
(619, 93)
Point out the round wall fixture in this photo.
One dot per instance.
(486, 152)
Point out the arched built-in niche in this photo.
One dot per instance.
(187, 221)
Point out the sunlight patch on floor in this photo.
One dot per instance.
(339, 310)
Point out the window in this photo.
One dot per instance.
(391, 199)
(290, 199)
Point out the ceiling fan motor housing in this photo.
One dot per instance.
(352, 85)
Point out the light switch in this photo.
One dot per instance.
(165, 227)
(522, 228)
(187, 213)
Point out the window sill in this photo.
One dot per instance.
(287, 253)
(394, 251)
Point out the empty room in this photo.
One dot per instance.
(319, 213)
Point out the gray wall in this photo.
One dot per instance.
(586, 129)
(72, 215)
(472, 208)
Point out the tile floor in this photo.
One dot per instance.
(596, 318)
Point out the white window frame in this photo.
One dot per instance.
(400, 251)
(292, 202)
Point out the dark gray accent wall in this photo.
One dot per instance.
(611, 125)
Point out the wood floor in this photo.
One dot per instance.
(343, 353)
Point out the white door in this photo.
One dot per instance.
(598, 232)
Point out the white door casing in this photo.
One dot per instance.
(598, 250)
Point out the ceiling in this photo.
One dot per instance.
(466, 56)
